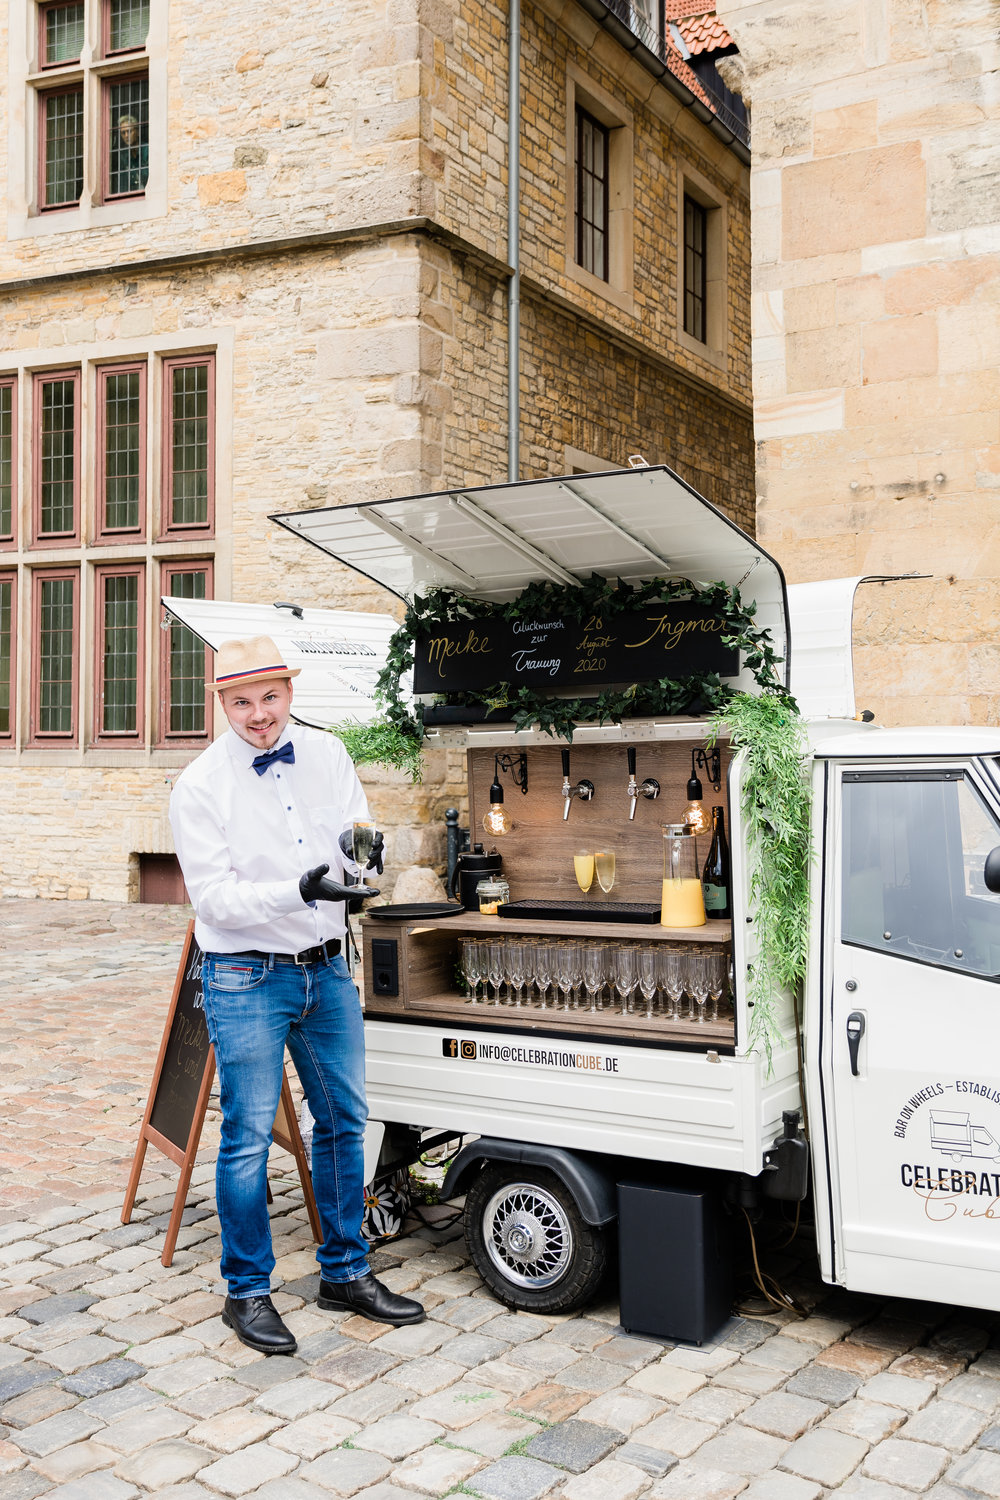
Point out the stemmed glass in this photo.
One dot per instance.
(544, 970)
(517, 969)
(583, 868)
(647, 975)
(472, 966)
(718, 965)
(567, 970)
(626, 973)
(363, 839)
(495, 970)
(698, 981)
(674, 981)
(594, 955)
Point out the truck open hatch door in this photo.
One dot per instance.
(491, 541)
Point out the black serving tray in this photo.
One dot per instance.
(415, 911)
(582, 911)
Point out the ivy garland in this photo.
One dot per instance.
(397, 738)
(774, 808)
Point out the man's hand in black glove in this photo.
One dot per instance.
(314, 886)
(346, 842)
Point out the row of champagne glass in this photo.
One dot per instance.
(597, 974)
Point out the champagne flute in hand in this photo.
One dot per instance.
(364, 831)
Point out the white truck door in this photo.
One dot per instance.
(911, 1016)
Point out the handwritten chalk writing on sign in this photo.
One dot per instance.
(184, 1059)
(662, 640)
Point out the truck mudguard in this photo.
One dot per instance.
(591, 1182)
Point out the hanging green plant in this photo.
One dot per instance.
(775, 816)
(396, 738)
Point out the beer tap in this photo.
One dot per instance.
(650, 788)
(584, 789)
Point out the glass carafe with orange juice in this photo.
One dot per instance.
(683, 899)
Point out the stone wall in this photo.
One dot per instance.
(876, 277)
(363, 353)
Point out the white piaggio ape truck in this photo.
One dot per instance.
(613, 1122)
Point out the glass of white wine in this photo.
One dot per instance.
(583, 867)
(364, 831)
(604, 867)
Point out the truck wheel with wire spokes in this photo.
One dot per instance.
(529, 1242)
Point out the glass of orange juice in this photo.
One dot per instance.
(583, 866)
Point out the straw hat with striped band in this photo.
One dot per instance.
(255, 660)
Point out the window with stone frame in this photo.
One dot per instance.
(702, 266)
(121, 452)
(592, 190)
(600, 190)
(188, 484)
(96, 670)
(118, 665)
(695, 260)
(55, 655)
(8, 461)
(56, 458)
(8, 663)
(90, 81)
(185, 702)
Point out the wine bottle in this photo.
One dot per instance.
(715, 876)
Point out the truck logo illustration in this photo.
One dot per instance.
(954, 1134)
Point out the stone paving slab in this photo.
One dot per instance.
(118, 1380)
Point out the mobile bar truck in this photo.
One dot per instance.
(624, 1084)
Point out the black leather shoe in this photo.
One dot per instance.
(371, 1299)
(256, 1323)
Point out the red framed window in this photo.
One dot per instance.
(119, 647)
(61, 33)
(188, 487)
(8, 662)
(60, 137)
(121, 451)
(55, 658)
(125, 26)
(125, 166)
(8, 462)
(185, 704)
(57, 456)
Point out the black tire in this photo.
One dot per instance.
(529, 1242)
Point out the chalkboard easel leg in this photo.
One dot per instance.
(133, 1181)
(177, 1212)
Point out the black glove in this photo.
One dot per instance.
(346, 842)
(314, 886)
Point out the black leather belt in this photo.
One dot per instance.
(317, 955)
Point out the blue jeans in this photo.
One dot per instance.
(254, 1009)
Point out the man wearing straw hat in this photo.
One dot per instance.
(259, 820)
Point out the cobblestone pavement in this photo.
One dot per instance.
(117, 1378)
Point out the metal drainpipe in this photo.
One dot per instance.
(514, 244)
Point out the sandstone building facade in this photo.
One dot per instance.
(246, 269)
(876, 279)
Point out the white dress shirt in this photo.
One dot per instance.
(243, 840)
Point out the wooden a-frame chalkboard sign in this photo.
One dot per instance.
(178, 1099)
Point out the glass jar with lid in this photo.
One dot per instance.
(492, 893)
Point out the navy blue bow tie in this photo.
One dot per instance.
(260, 763)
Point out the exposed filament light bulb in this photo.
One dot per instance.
(497, 821)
